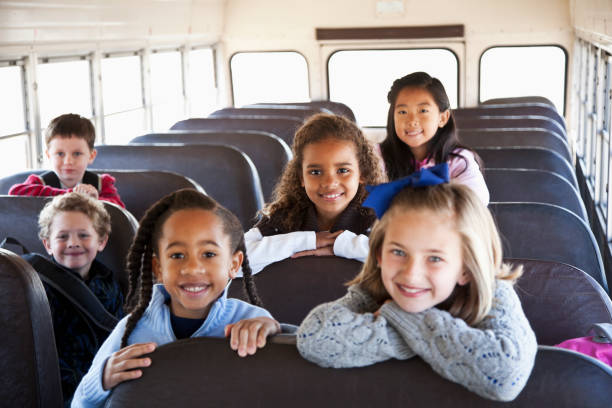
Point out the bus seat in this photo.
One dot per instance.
(269, 153)
(549, 233)
(302, 112)
(225, 173)
(525, 122)
(30, 369)
(138, 189)
(561, 302)
(526, 100)
(281, 126)
(337, 108)
(512, 110)
(204, 372)
(20, 221)
(289, 289)
(535, 158)
(507, 138)
(535, 186)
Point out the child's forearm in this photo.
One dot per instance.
(352, 246)
(493, 359)
(263, 251)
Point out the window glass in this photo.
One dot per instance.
(166, 89)
(361, 79)
(121, 83)
(13, 154)
(201, 83)
(269, 77)
(63, 87)
(523, 71)
(11, 101)
(120, 128)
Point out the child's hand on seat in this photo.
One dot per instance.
(325, 245)
(246, 336)
(120, 365)
(87, 190)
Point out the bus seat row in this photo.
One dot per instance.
(338, 108)
(519, 100)
(542, 111)
(301, 112)
(138, 189)
(225, 173)
(522, 122)
(30, 369)
(206, 372)
(20, 221)
(268, 152)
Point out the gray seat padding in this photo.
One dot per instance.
(302, 112)
(337, 108)
(512, 110)
(526, 122)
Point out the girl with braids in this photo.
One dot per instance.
(317, 208)
(421, 133)
(193, 247)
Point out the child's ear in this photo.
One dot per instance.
(378, 257)
(92, 155)
(156, 268)
(444, 117)
(47, 246)
(464, 278)
(47, 154)
(237, 259)
(102, 243)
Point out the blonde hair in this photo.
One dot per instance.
(290, 199)
(93, 209)
(480, 242)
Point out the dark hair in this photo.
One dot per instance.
(71, 125)
(399, 160)
(139, 258)
(290, 200)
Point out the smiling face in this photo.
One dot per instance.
(331, 177)
(194, 261)
(421, 259)
(70, 157)
(73, 241)
(417, 118)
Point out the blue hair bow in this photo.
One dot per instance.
(380, 196)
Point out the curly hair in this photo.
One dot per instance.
(290, 200)
(145, 245)
(480, 242)
(74, 202)
(398, 157)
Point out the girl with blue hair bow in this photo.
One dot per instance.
(433, 285)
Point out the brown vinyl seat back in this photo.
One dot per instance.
(549, 233)
(524, 122)
(516, 109)
(138, 189)
(523, 100)
(337, 108)
(302, 112)
(281, 126)
(205, 372)
(533, 186)
(536, 158)
(225, 173)
(20, 221)
(289, 289)
(30, 369)
(269, 153)
(561, 302)
(507, 138)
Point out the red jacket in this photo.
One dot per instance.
(34, 186)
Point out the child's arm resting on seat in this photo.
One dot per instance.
(345, 333)
(121, 364)
(247, 335)
(493, 359)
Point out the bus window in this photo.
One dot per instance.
(167, 89)
(124, 113)
(63, 87)
(13, 137)
(201, 85)
(524, 71)
(269, 77)
(361, 79)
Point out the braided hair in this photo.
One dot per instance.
(145, 245)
